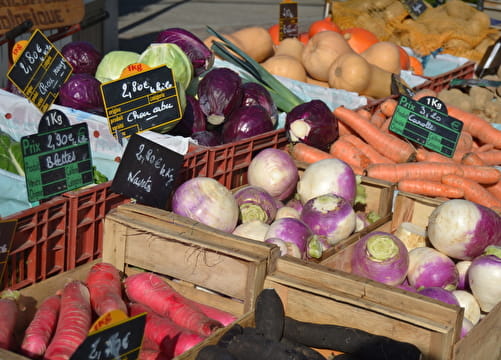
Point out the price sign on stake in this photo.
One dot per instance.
(7, 230)
(288, 20)
(147, 172)
(141, 102)
(118, 341)
(427, 123)
(58, 158)
(39, 71)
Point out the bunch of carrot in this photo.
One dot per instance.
(62, 321)
(370, 148)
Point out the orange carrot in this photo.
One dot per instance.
(307, 153)
(485, 147)
(344, 129)
(477, 126)
(473, 191)
(424, 92)
(425, 155)
(471, 158)
(349, 153)
(430, 188)
(364, 112)
(480, 174)
(495, 189)
(388, 106)
(424, 170)
(465, 141)
(389, 145)
(491, 157)
(378, 118)
(374, 156)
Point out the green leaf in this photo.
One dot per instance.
(11, 156)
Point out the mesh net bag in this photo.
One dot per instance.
(454, 28)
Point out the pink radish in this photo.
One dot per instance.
(41, 328)
(150, 289)
(75, 320)
(8, 316)
(105, 288)
(171, 338)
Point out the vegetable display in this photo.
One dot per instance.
(61, 322)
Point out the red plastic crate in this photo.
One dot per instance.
(442, 81)
(228, 163)
(87, 209)
(39, 248)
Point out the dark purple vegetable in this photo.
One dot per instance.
(312, 123)
(193, 119)
(199, 54)
(329, 215)
(245, 122)
(256, 94)
(380, 256)
(82, 92)
(207, 138)
(255, 203)
(439, 293)
(219, 93)
(83, 57)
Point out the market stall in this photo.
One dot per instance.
(234, 196)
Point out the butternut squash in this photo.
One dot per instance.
(321, 51)
(351, 72)
(290, 46)
(384, 54)
(255, 41)
(286, 66)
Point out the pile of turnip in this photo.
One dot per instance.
(303, 215)
(455, 259)
(62, 321)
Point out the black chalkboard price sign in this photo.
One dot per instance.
(119, 341)
(7, 231)
(288, 20)
(147, 172)
(40, 71)
(141, 102)
(57, 158)
(427, 123)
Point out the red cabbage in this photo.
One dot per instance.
(219, 93)
(82, 92)
(83, 57)
(199, 54)
(193, 119)
(312, 123)
(256, 94)
(246, 122)
(207, 138)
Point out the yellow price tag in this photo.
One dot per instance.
(18, 49)
(110, 318)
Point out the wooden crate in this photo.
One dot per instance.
(202, 264)
(234, 268)
(315, 293)
(483, 341)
